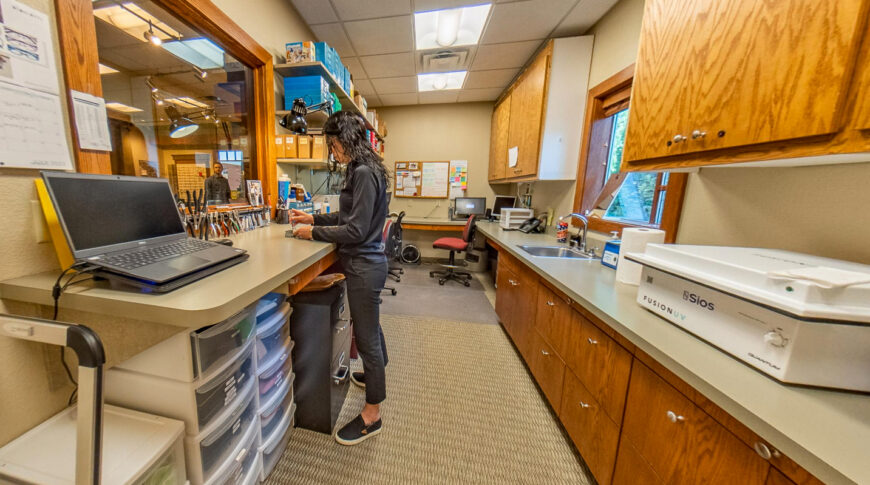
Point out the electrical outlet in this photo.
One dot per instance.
(40, 228)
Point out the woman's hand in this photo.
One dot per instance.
(302, 232)
(299, 217)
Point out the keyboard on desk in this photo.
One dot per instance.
(144, 257)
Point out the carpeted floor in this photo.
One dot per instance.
(461, 408)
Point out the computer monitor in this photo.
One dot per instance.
(503, 202)
(102, 213)
(467, 206)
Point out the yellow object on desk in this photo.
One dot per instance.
(64, 254)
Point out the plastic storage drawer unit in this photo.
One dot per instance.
(186, 356)
(272, 410)
(267, 305)
(236, 470)
(274, 446)
(273, 334)
(196, 403)
(138, 448)
(208, 451)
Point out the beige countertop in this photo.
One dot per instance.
(274, 260)
(440, 221)
(826, 432)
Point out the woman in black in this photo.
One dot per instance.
(357, 230)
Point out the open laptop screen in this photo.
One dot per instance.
(99, 211)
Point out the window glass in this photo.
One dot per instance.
(617, 142)
(640, 199)
(177, 103)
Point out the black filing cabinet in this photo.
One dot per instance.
(320, 327)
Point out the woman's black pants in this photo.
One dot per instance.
(365, 279)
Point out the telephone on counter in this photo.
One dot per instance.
(532, 225)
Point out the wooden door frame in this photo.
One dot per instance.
(80, 64)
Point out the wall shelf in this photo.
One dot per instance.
(318, 69)
(306, 162)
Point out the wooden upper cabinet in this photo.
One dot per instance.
(527, 115)
(498, 145)
(725, 74)
(862, 100)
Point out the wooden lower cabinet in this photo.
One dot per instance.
(605, 368)
(632, 469)
(594, 434)
(504, 298)
(548, 369)
(559, 325)
(681, 443)
(777, 478)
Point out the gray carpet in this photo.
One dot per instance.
(461, 408)
(418, 294)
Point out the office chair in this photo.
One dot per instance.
(389, 249)
(455, 245)
(396, 255)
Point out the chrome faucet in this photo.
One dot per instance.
(580, 235)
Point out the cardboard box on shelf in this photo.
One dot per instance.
(290, 146)
(300, 52)
(279, 146)
(317, 146)
(361, 102)
(303, 146)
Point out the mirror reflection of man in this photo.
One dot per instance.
(217, 187)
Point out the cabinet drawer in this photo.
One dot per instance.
(548, 369)
(215, 344)
(632, 469)
(592, 431)
(681, 443)
(558, 324)
(604, 368)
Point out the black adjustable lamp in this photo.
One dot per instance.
(295, 119)
(181, 126)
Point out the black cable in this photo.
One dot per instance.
(57, 290)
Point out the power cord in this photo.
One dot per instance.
(57, 290)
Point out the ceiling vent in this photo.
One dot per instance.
(445, 60)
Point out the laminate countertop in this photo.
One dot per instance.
(274, 260)
(826, 432)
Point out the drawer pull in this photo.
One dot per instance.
(592, 341)
(550, 303)
(674, 417)
(513, 282)
(344, 327)
(341, 376)
(698, 134)
(584, 405)
(764, 451)
(544, 352)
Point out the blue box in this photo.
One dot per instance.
(312, 89)
(610, 255)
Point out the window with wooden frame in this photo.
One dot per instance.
(613, 200)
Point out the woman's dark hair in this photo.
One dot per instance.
(349, 130)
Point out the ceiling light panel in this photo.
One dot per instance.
(450, 27)
(122, 108)
(201, 52)
(125, 18)
(440, 81)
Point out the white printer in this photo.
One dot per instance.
(801, 319)
(512, 218)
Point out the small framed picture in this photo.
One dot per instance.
(412, 165)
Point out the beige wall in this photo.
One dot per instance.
(272, 23)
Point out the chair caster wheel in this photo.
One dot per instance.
(466, 283)
(441, 282)
(401, 271)
(393, 291)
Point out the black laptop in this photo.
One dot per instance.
(131, 229)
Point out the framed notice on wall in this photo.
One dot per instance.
(424, 180)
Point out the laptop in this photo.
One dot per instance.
(131, 229)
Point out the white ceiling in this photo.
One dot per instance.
(375, 39)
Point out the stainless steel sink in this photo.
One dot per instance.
(555, 252)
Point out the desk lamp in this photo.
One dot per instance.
(295, 119)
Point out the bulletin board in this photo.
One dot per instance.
(421, 180)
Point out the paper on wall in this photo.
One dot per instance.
(458, 178)
(513, 154)
(434, 182)
(92, 121)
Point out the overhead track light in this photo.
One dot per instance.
(150, 36)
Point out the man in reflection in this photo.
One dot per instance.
(217, 187)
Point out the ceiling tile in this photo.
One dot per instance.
(504, 56)
(531, 19)
(429, 5)
(472, 95)
(398, 99)
(381, 36)
(582, 17)
(364, 86)
(315, 11)
(334, 35)
(373, 101)
(496, 78)
(355, 67)
(395, 85)
(369, 9)
(389, 65)
(434, 97)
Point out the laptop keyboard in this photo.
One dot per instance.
(148, 256)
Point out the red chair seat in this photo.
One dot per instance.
(451, 243)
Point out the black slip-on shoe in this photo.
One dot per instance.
(358, 378)
(356, 431)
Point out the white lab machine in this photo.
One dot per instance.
(137, 448)
(801, 319)
(513, 218)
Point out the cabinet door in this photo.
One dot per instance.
(558, 324)
(632, 469)
(605, 369)
(524, 310)
(527, 115)
(498, 149)
(592, 431)
(740, 73)
(862, 101)
(548, 369)
(777, 478)
(504, 300)
(681, 443)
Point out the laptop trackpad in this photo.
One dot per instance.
(185, 263)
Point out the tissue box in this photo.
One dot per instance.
(300, 52)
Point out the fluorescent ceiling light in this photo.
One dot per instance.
(451, 27)
(201, 52)
(186, 102)
(125, 18)
(440, 81)
(123, 108)
(104, 69)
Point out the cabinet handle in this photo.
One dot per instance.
(698, 134)
(550, 303)
(679, 138)
(544, 352)
(513, 282)
(674, 417)
(583, 405)
(762, 450)
(592, 341)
